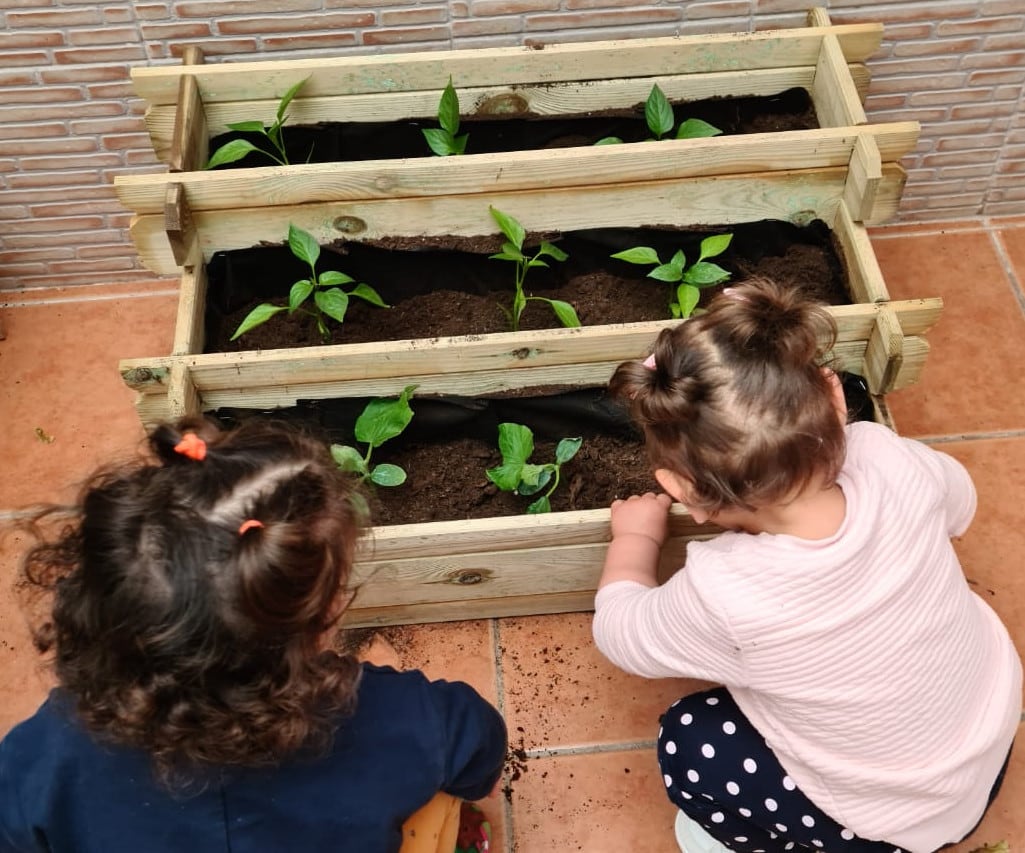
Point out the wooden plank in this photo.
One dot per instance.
(179, 226)
(182, 397)
(237, 81)
(560, 99)
(909, 371)
(190, 325)
(863, 274)
(884, 354)
(189, 136)
(488, 173)
(866, 171)
(794, 196)
(837, 101)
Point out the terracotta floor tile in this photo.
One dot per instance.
(1013, 241)
(58, 375)
(560, 691)
(599, 803)
(967, 386)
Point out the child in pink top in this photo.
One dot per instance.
(870, 697)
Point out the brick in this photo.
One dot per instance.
(1010, 59)
(906, 114)
(327, 40)
(17, 78)
(219, 47)
(485, 26)
(485, 8)
(476, 42)
(102, 35)
(125, 141)
(217, 8)
(922, 65)
(94, 160)
(351, 4)
(25, 58)
(716, 9)
(26, 255)
(13, 211)
(960, 143)
(85, 74)
(775, 6)
(1011, 208)
(883, 102)
(407, 17)
(8, 165)
(111, 92)
(48, 180)
(405, 36)
(1011, 167)
(73, 56)
(42, 95)
(176, 30)
(1010, 41)
(965, 171)
(67, 145)
(294, 23)
(61, 238)
(112, 250)
(58, 111)
(118, 14)
(59, 18)
(633, 16)
(980, 26)
(937, 47)
(16, 271)
(35, 196)
(143, 157)
(105, 126)
(1001, 108)
(991, 8)
(86, 266)
(959, 158)
(9, 41)
(152, 11)
(918, 83)
(950, 96)
(31, 131)
(52, 224)
(1005, 93)
(896, 33)
(993, 78)
(961, 128)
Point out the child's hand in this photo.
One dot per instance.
(644, 515)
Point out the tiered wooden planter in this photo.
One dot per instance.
(844, 174)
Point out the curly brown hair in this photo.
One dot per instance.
(737, 400)
(180, 635)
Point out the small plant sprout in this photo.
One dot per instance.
(329, 300)
(380, 421)
(688, 280)
(516, 474)
(443, 140)
(658, 115)
(235, 150)
(512, 250)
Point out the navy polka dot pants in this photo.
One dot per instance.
(720, 772)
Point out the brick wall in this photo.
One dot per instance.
(69, 123)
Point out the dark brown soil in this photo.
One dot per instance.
(450, 287)
(331, 142)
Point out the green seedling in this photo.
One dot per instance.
(329, 300)
(380, 421)
(512, 250)
(516, 474)
(235, 150)
(443, 140)
(688, 280)
(658, 114)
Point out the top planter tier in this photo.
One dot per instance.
(189, 104)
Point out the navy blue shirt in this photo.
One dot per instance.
(62, 790)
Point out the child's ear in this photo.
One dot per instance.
(672, 483)
(836, 390)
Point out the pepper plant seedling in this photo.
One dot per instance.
(512, 250)
(688, 280)
(380, 421)
(443, 140)
(329, 300)
(235, 150)
(516, 474)
(658, 115)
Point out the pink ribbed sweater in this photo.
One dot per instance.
(888, 690)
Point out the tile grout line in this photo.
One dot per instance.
(594, 749)
(507, 817)
(1005, 262)
(979, 436)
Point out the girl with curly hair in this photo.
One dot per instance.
(199, 707)
(869, 698)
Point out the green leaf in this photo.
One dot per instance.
(704, 274)
(714, 245)
(333, 302)
(368, 294)
(533, 478)
(302, 244)
(567, 449)
(258, 316)
(516, 442)
(333, 277)
(506, 476)
(448, 109)
(638, 255)
(536, 262)
(541, 505)
(439, 141)
(230, 152)
(687, 297)
(299, 293)
(609, 140)
(552, 251)
(679, 260)
(665, 272)
(384, 419)
(387, 474)
(349, 459)
(566, 313)
(510, 227)
(695, 128)
(286, 99)
(459, 144)
(658, 113)
(248, 126)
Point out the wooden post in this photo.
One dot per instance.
(884, 355)
(179, 226)
(189, 145)
(865, 172)
(837, 100)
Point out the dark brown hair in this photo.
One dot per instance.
(178, 635)
(737, 401)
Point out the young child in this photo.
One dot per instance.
(199, 705)
(870, 697)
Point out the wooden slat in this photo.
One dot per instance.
(792, 196)
(864, 277)
(189, 134)
(179, 226)
(487, 173)
(238, 81)
(837, 101)
(914, 352)
(189, 327)
(884, 354)
(182, 396)
(866, 171)
(561, 99)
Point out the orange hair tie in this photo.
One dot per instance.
(191, 446)
(249, 524)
